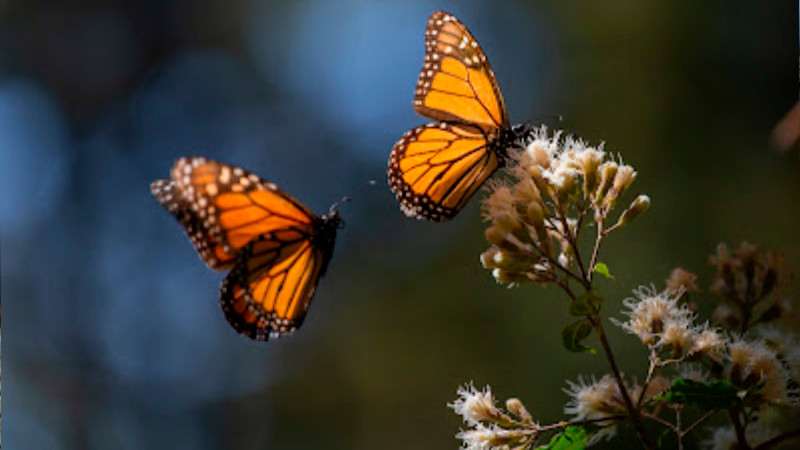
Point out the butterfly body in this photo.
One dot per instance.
(435, 169)
(276, 249)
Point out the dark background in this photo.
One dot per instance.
(116, 339)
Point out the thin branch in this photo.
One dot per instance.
(596, 249)
(697, 422)
(737, 426)
(655, 418)
(564, 284)
(572, 240)
(564, 424)
(650, 371)
(633, 411)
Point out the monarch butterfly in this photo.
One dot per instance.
(434, 169)
(276, 248)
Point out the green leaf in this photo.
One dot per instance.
(572, 438)
(602, 269)
(574, 333)
(586, 305)
(720, 394)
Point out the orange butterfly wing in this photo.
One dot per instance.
(268, 292)
(167, 193)
(456, 82)
(436, 168)
(235, 205)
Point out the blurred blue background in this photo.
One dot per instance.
(117, 340)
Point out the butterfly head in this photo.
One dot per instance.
(521, 134)
(331, 220)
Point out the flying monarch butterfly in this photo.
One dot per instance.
(276, 248)
(435, 169)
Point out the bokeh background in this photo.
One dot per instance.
(116, 339)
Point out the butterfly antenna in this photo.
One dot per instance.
(347, 198)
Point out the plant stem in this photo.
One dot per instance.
(596, 249)
(633, 412)
(737, 425)
(655, 418)
(573, 242)
(699, 421)
(650, 371)
(565, 286)
(563, 424)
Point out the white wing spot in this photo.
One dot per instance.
(225, 175)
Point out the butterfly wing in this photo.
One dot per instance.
(268, 292)
(236, 206)
(456, 82)
(436, 168)
(166, 192)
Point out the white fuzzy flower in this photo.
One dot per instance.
(474, 405)
(656, 318)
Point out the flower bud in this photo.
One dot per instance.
(589, 161)
(500, 201)
(538, 152)
(535, 172)
(681, 280)
(535, 216)
(507, 222)
(515, 406)
(622, 180)
(499, 238)
(564, 259)
(564, 181)
(511, 261)
(608, 170)
(771, 270)
(526, 192)
(639, 205)
(747, 256)
(487, 258)
(504, 276)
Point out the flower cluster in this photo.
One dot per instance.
(537, 213)
(744, 280)
(744, 365)
(601, 400)
(664, 326)
(762, 362)
(491, 427)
